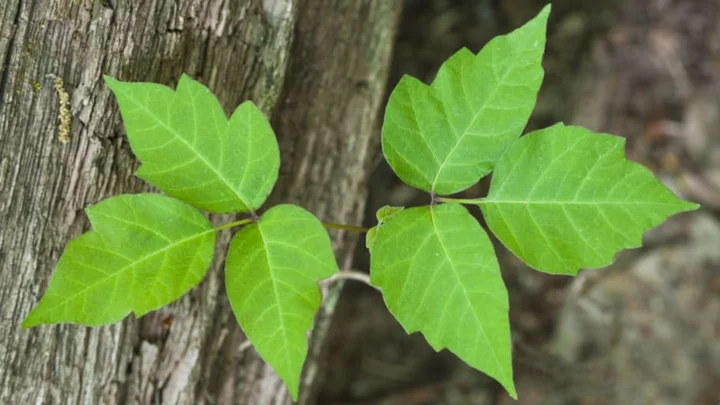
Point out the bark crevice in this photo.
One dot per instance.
(8, 54)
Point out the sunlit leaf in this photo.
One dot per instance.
(439, 275)
(444, 137)
(145, 251)
(565, 198)
(272, 271)
(191, 151)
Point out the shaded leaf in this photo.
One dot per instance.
(272, 271)
(565, 198)
(444, 137)
(191, 151)
(146, 250)
(439, 275)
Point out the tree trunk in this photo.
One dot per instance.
(318, 67)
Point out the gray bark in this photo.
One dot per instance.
(318, 67)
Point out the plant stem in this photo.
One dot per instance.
(236, 223)
(345, 227)
(471, 201)
(333, 225)
(350, 275)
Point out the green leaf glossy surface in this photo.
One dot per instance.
(191, 151)
(444, 137)
(564, 198)
(146, 250)
(439, 275)
(272, 270)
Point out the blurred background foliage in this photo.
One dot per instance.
(643, 331)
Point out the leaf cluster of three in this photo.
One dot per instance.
(147, 250)
(561, 198)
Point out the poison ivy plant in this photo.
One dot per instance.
(147, 250)
(272, 270)
(562, 198)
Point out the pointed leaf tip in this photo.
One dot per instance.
(545, 12)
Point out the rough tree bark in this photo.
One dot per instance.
(318, 67)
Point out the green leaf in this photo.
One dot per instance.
(146, 250)
(272, 271)
(564, 198)
(439, 275)
(444, 137)
(191, 151)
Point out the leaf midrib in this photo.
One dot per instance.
(464, 290)
(288, 363)
(465, 131)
